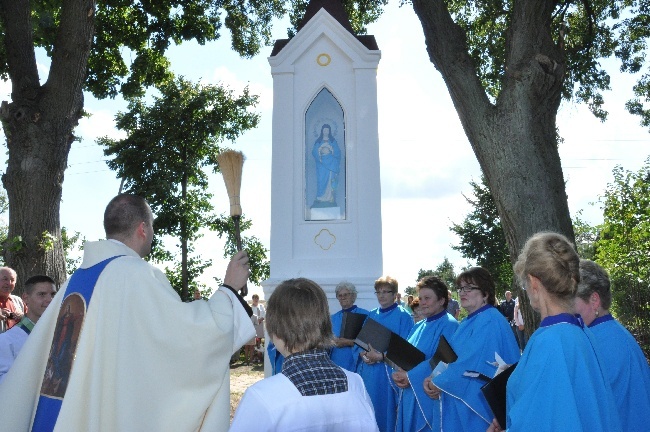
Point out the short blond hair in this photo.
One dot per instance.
(297, 312)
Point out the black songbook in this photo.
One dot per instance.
(373, 334)
(351, 324)
(495, 394)
(444, 353)
(401, 353)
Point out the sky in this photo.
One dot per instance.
(426, 160)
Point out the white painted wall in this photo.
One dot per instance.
(297, 250)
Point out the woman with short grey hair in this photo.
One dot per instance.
(627, 369)
(341, 353)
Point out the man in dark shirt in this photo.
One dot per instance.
(507, 308)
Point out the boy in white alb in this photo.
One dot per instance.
(311, 393)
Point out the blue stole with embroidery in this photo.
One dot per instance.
(64, 344)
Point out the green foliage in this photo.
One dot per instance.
(47, 241)
(482, 238)
(586, 32)
(444, 271)
(169, 144)
(586, 237)
(257, 253)
(131, 38)
(361, 13)
(195, 267)
(623, 249)
(71, 244)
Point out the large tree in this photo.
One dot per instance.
(169, 145)
(507, 66)
(114, 47)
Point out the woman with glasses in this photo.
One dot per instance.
(482, 334)
(559, 383)
(371, 366)
(626, 366)
(416, 411)
(341, 353)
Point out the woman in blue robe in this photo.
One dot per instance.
(375, 372)
(626, 367)
(484, 333)
(416, 411)
(342, 354)
(560, 381)
(327, 155)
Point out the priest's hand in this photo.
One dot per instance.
(401, 379)
(430, 388)
(238, 271)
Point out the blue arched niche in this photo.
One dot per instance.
(325, 174)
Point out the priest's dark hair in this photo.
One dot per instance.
(298, 314)
(124, 213)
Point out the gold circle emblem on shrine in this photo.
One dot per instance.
(323, 59)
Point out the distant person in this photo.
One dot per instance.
(118, 350)
(341, 353)
(507, 307)
(560, 383)
(311, 393)
(453, 307)
(409, 302)
(12, 308)
(39, 292)
(417, 411)
(520, 326)
(372, 366)
(258, 309)
(480, 335)
(415, 307)
(625, 365)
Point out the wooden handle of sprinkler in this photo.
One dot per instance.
(244, 289)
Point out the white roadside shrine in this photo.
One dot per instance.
(325, 190)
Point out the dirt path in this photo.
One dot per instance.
(242, 377)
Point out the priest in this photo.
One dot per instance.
(118, 350)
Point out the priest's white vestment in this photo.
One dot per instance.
(145, 361)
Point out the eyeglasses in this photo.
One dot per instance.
(343, 295)
(383, 292)
(467, 288)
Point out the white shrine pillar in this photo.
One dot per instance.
(326, 197)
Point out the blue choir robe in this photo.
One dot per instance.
(482, 334)
(560, 382)
(344, 356)
(627, 370)
(275, 358)
(377, 377)
(417, 411)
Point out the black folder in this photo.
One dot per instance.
(373, 334)
(401, 353)
(351, 324)
(444, 353)
(495, 394)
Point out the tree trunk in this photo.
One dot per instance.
(184, 276)
(39, 124)
(514, 139)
